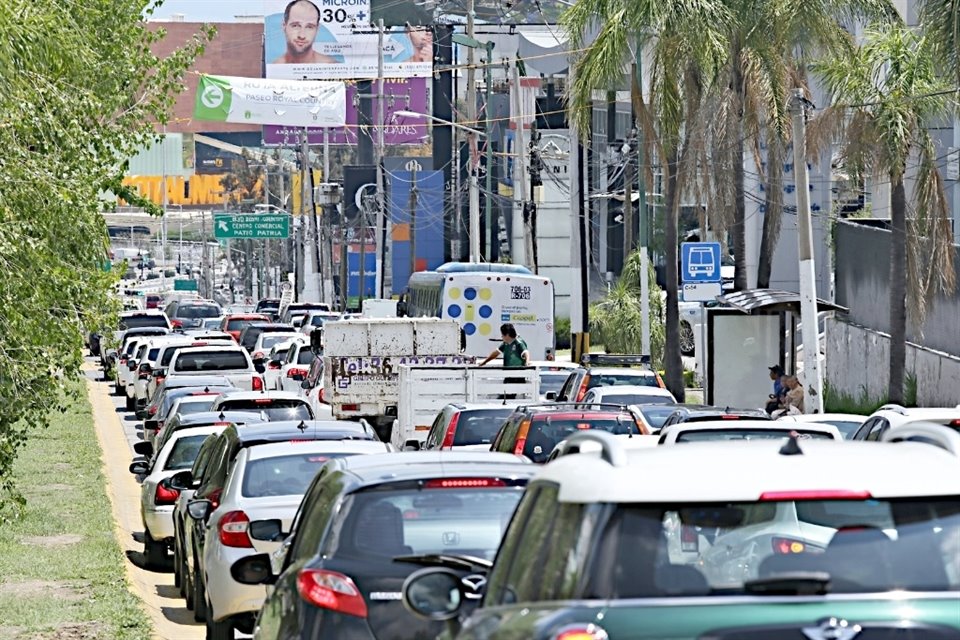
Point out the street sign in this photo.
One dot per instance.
(184, 285)
(267, 226)
(700, 262)
(700, 291)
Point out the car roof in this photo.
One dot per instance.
(820, 417)
(572, 408)
(209, 417)
(314, 430)
(262, 395)
(142, 312)
(556, 364)
(276, 449)
(192, 431)
(400, 466)
(917, 412)
(478, 406)
(268, 325)
(631, 388)
(637, 370)
(617, 474)
(737, 425)
(183, 392)
(245, 316)
(175, 380)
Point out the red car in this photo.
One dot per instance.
(234, 324)
(154, 301)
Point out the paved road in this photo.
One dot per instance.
(117, 431)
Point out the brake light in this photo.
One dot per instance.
(256, 384)
(263, 401)
(199, 344)
(451, 432)
(232, 530)
(176, 324)
(816, 494)
(463, 483)
(165, 495)
(954, 423)
(581, 632)
(786, 546)
(292, 372)
(729, 416)
(331, 590)
(583, 387)
(521, 437)
(321, 396)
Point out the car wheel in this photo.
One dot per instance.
(222, 630)
(154, 553)
(199, 597)
(118, 390)
(131, 403)
(688, 345)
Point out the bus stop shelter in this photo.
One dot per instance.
(749, 332)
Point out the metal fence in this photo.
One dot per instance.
(863, 286)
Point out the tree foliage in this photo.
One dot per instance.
(81, 90)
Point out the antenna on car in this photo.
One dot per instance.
(791, 447)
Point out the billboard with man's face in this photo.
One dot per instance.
(334, 40)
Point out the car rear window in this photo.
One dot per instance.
(709, 435)
(636, 378)
(634, 398)
(847, 428)
(153, 353)
(189, 362)
(136, 322)
(198, 311)
(237, 324)
(389, 523)
(305, 356)
(196, 405)
(657, 414)
(269, 340)
(546, 432)
(184, 453)
(283, 475)
(275, 410)
(479, 426)
(551, 382)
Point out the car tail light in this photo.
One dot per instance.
(176, 324)
(521, 437)
(729, 416)
(199, 344)
(152, 410)
(583, 387)
(581, 632)
(689, 538)
(954, 423)
(292, 372)
(321, 396)
(786, 546)
(331, 590)
(214, 498)
(816, 494)
(165, 495)
(451, 432)
(463, 483)
(256, 384)
(232, 530)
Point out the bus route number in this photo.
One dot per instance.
(519, 293)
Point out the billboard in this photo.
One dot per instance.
(406, 94)
(333, 40)
(369, 275)
(427, 187)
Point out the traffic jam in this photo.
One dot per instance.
(398, 474)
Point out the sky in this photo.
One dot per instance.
(209, 10)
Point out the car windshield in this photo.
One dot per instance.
(283, 475)
(274, 409)
(211, 361)
(636, 378)
(551, 382)
(479, 426)
(633, 398)
(547, 432)
(138, 321)
(846, 427)
(709, 435)
(716, 549)
(184, 453)
(388, 523)
(656, 414)
(198, 311)
(196, 404)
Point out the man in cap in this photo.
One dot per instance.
(779, 388)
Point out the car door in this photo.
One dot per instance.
(879, 427)
(568, 387)
(437, 430)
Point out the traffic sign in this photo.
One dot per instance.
(700, 262)
(267, 226)
(700, 291)
(185, 285)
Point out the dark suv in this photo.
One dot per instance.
(190, 313)
(533, 431)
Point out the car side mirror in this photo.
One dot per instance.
(198, 509)
(551, 395)
(145, 368)
(181, 481)
(267, 530)
(140, 467)
(412, 445)
(255, 569)
(433, 594)
(143, 448)
(304, 384)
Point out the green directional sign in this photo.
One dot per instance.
(185, 285)
(268, 226)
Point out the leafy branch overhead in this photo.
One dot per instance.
(81, 93)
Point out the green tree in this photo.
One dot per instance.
(884, 94)
(81, 91)
(940, 20)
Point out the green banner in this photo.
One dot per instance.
(214, 97)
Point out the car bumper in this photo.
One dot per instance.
(227, 596)
(159, 522)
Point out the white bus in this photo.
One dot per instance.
(481, 297)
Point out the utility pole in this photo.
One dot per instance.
(413, 220)
(530, 206)
(813, 398)
(519, 176)
(471, 122)
(381, 187)
(163, 220)
(488, 141)
(311, 279)
(579, 318)
(636, 96)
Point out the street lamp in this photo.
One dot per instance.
(474, 184)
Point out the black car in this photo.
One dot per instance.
(269, 306)
(366, 523)
(229, 443)
(248, 337)
(701, 414)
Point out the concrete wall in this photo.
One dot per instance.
(857, 362)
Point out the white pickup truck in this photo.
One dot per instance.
(362, 359)
(424, 391)
(231, 362)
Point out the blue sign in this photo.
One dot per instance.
(369, 275)
(700, 262)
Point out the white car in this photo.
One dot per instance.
(892, 415)
(938, 435)
(276, 405)
(847, 423)
(629, 394)
(267, 340)
(263, 492)
(157, 500)
(741, 430)
(316, 319)
(230, 361)
(128, 374)
(294, 364)
(553, 374)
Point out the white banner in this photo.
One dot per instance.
(334, 40)
(268, 101)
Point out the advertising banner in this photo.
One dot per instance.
(334, 40)
(264, 101)
(410, 94)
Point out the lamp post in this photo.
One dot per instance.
(474, 185)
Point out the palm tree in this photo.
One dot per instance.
(940, 20)
(687, 51)
(884, 94)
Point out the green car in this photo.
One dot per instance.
(764, 540)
